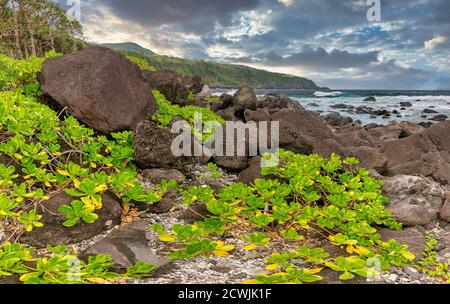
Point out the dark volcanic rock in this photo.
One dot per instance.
(166, 203)
(340, 106)
(277, 102)
(395, 131)
(337, 120)
(258, 115)
(228, 114)
(414, 237)
(445, 211)
(370, 98)
(427, 153)
(406, 104)
(430, 111)
(252, 173)
(169, 83)
(127, 246)
(232, 163)
(99, 87)
(244, 99)
(193, 83)
(369, 157)
(196, 212)
(54, 233)
(300, 130)
(156, 176)
(152, 146)
(439, 118)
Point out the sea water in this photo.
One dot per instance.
(322, 102)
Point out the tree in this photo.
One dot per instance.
(34, 27)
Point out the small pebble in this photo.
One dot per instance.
(412, 272)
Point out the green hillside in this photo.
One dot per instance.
(129, 47)
(218, 75)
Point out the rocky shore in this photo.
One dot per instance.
(110, 94)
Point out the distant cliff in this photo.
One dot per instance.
(218, 75)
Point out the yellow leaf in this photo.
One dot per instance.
(63, 172)
(250, 247)
(251, 282)
(165, 237)
(222, 247)
(97, 201)
(272, 267)
(97, 280)
(76, 183)
(350, 249)
(221, 253)
(100, 188)
(93, 165)
(408, 255)
(87, 201)
(361, 250)
(314, 271)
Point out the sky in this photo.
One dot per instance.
(329, 41)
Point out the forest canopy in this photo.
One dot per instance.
(34, 27)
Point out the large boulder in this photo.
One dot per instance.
(415, 200)
(252, 173)
(193, 83)
(258, 115)
(445, 211)
(356, 138)
(228, 114)
(127, 246)
(99, 87)
(369, 157)
(337, 120)
(277, 102)
(395, 131)
(169, 83)
(152, 148)
(244, 98)
(300, 130)
(414, 237)
(205, 93)
(54, 233)
(426, 153)
(156, 176)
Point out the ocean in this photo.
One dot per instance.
(434, 102)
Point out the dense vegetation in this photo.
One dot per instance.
(34, 27)
(305, 204)
(218, 74)
(43, 155)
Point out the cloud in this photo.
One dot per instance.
(327, 40)
(286, 2)
(321, 59)
(380, 75)
(197, 16)
(433, 43)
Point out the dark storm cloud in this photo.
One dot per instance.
(194, 15)
(383, 75)
(325, 36)
(335, 59)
